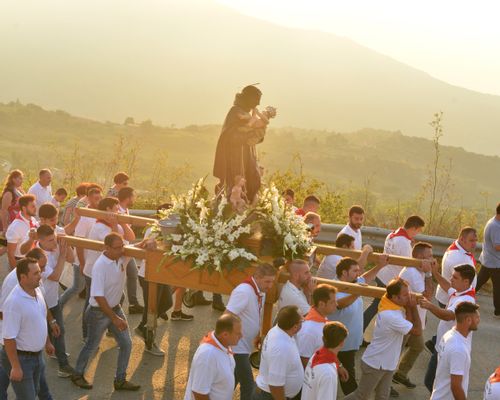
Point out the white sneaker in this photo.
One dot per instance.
(155, 351)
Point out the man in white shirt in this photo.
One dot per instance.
(350, 313)
(212, 370)
(320, 376)
(42, 189)
(380, 359)
(297, 291)
(459, 289)
(104, 312)
(309, 338)
(492, 387)
(452, 375)
(19, 228)
(24, 332)
(281, 372)
(247, 302)
(397, 243)
(460, 252)
(353, 227)
(420, 281)
(58, 253)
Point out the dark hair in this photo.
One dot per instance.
(414, 222)
(394, 287)
(419, 247)
(47, 210)
(249, 96)
(125, 193)
(334, 333)
(9, 182)
(24, 200)
(265, 269)
(356, 210)
(43, 172)
(288, 317)
(344, 240)
(289, 192)
(36, 253)
(498, 208)
(120, 178)
(225, 323)
(322, 293)
(61, 191)
(93, 190)
(466, 271)
(345, 264)
(311, 199)
(23, 267)
(111, 238)
(465, 308)
(93, 185)
(466, 231)
(44, 230)
(81, 189)
(107, 202)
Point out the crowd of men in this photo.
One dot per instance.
(318, 330)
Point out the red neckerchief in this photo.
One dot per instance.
(250, 281)
(495, 378)
(20, 217)
(399, 232)
(314, 315)
(471, 292)
(454, 246)
(300, 211)
(208, 339)
(324, 356)
(104, 223)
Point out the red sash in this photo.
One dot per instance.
(471, 293)
(454, 247)
(249, 281)
(208, 339)
(300, 212)
(399, 232)
(314, 315)
(19, 217)
(324, 356)
(495, 378)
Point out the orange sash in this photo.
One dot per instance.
(208, 339)
(314, 315)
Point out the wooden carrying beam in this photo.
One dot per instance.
(130, 251)
(122, 218)
(372, 257)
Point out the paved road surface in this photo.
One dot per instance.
(165, 378)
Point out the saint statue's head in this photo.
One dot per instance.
(248, 98)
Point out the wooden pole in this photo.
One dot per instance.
(122, 218)
(372, 257)
(130, 251)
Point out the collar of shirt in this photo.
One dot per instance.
(211, 339)
(25, 294)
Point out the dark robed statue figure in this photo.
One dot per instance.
(235, 156)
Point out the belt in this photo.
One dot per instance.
(29, 353)
(117, 307)
(259, 390)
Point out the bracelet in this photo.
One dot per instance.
(52, 322)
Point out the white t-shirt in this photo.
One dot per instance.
(25, 319)
(292, 296)
(395, 244)
(51, 288)
(453, 302)
(280, 363)
(453, 359)
(82, 230)
(9, 283)
(244, 303)
(18, 231)
(309, 338)
(108, 280)
(385, 348)
(43, 194)
(98, 232)
(320, 382)
(492, 387)
(416, 280)
(358, 240)
(454, 256)
(212, 372)
(328, 267)
(142, 263)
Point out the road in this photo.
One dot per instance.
(165, 378)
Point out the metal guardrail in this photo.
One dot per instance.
(373, 236)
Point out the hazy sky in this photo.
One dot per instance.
(456, 41)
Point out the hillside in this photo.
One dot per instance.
(394, 165)
(181, 63)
